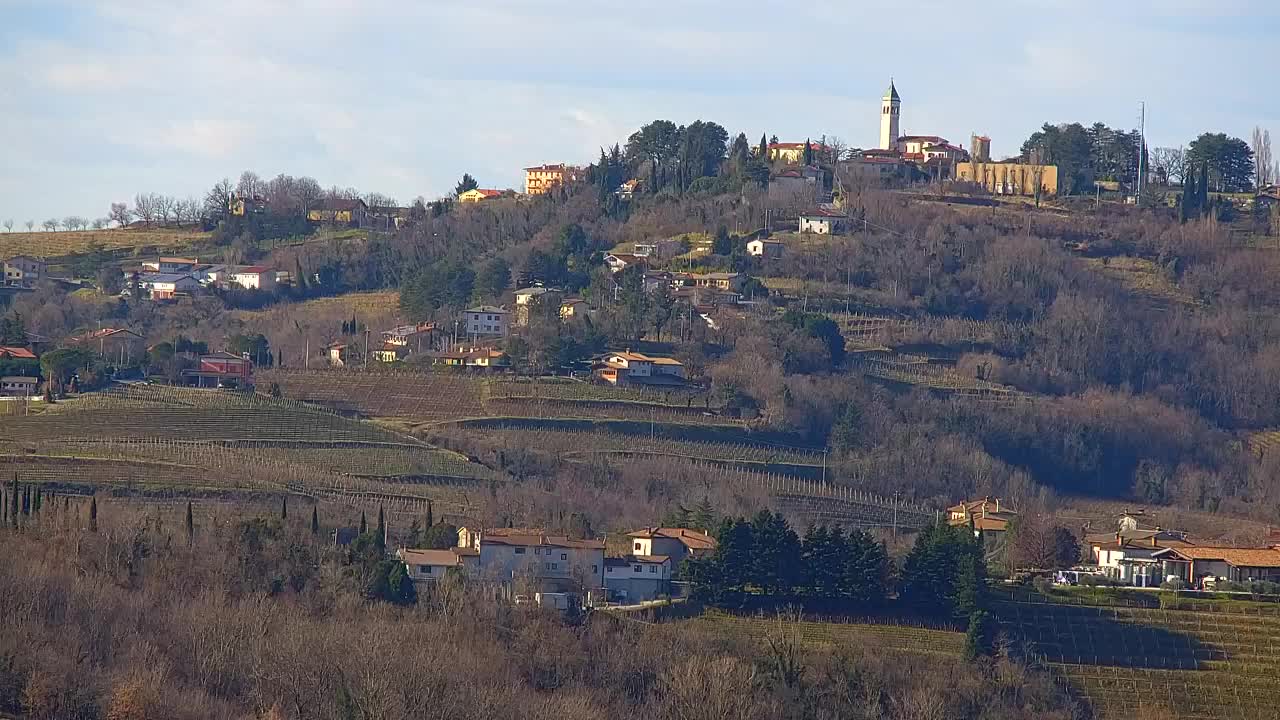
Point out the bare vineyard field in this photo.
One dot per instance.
(362, 304)
(1180, 664)
(57, 244)
(416, 395)
(525, 389)
(603, 410)
(569, 443)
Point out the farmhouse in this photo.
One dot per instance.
(987, 515)
(487, 320)
(23, 271)
(726, 281)
(1128, 555)
(18, 386)
(823, 222)
(339, 211)
(573, 308)
(16, 353)
(618, 262)
(253, 277)
(389, 352)
(630, 368)
(339, 354)
(1196, 564)
(551, 563)
(676, 543)
(409, 336)
(429, 566)
(167, 286)
(220, 369)
(767, 249)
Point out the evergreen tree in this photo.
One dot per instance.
(26, 501)
(38, 502)
(13, 502)
(315, 520)
(777, 554)
(382, 529)
(866, 569)
(284, 508)
(815, 580)
(703, 516)
(763, 151)
(1203, 202)
(300, 277)
(191, 525)
(1189, 198)
(980, 638)
(722, 244)
(364, 524)
(807, 157)
(399, 587)
(431, 515)
(93, 514)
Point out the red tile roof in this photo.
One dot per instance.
(17, 353)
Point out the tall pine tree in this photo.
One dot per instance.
(763, 151)
(315, 520)
(190, 525)
(93, 514)
(382, 529)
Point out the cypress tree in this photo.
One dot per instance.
(13, 501)
(807, 158)
(431, 515)
(191, 526)
(382, 529)
(26, 501)
(364, 524)
(764, 148)
(1189, 197)
(4, 506)
(93, 514)
(284, 508)
(1203, 204)
(980, 639)
(38, 502)
(315, 520)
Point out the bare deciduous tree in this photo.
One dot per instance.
(145, 207)
(1262, 157)
(120, 214)
(50, 225)
(74, 222)
(99, 223)
(8, 225)
(218, 200)
(165, 205)
(250, 185)
(1169, 164)
(30, 224)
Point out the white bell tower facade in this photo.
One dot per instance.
(890, 114)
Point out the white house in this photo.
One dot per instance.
(408, 336)
(618, 262)
(432, 565)
(1202, 567)
(166, 286)
(675, 543)
(487, 320)
(253, 277)
(171, 264)
(768, 249)
(637, 578)
(206, 274)
(1128, 554)
(621, 368)
(823, 222)
(18, 386)
(551, 563)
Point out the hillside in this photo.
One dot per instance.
(70, 242)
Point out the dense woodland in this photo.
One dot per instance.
(256, 618)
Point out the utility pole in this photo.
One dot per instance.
(1142, 148)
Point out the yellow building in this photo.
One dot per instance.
(339, 212)
(476, 195)
(1010, 178)
(540, 179)
(792, 153)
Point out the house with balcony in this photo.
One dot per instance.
(632, 368)
(1202, 566)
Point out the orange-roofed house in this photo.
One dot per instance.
(16, 353)
(475, 195)
(429, 566)
(677, 543)
(988, 516)
(543, 562)
(632, 368)
(1196, 564)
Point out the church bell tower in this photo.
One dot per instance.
(890, 113)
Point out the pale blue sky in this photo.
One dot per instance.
(101, 99)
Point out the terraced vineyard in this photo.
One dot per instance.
(1180, 664)
(904, 638)
(428, 397)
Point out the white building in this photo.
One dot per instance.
(166, 286)
(1129, 554)
(768, 249)
(432, 565)
(621, 368)
(487, 320)
(171, 264)
(823, 222)
(675, 543)
(638, 578)
(550, 563)
(890, 117)
(253, 277)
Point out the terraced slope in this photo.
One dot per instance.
(1177, 663)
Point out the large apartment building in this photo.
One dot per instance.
(543, 178)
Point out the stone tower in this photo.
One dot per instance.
(890, 114)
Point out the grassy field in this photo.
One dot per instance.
(1143, 278)
(904, 638)
(56, 244)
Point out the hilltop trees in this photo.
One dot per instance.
(466, 183)
(945, 572)
(1230, 161)
(1262, 159)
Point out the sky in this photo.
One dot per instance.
(104, 99)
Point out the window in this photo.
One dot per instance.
(653, 568)
(564, 556)
(537, 551)
(637, 568)
(519, 551)
(424, 569)
(555, 566)
(595, 569)
(637, 546)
